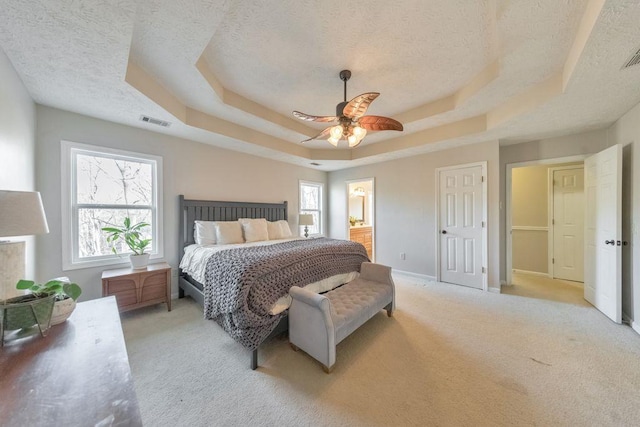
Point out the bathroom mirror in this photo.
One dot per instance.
(356, 208)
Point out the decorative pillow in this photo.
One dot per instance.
(205, 232)
(274, 229)
(254, 229)
(286, 231)
(228, 232)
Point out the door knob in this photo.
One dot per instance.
(610, 242)
(444, 231)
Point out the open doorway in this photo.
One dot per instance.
(545, 220)
(361, 213)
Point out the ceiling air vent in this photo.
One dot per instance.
(635, 59)
(314, 164)
(155, 121)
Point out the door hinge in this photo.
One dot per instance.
(553, 221)
(482, 224)
(482, 179)
(484, 270)
(553, 260)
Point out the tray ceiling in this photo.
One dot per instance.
(229, 73)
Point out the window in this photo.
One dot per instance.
(311, 203)
(101, 187)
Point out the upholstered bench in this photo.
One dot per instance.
(317, 323)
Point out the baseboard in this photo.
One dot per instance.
(531, 273)
(422, 277)
(175, 295)
(634, 325)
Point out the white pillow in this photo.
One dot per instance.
(274, 229)
(286, 231)
(228, 232)
(254, 229)
(205, 232)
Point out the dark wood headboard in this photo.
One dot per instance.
(207, 210)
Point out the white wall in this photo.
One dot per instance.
(198, 171)
(626, 131)
(17, 128)
(405, 206)
(551, 148)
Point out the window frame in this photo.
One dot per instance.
(320, 211)
(70, 207)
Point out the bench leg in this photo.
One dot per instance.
(389, 309)
(254, 359)
(327, 370)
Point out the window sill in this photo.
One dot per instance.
(121, 261)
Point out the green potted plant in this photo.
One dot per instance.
(132, 236)
(38, 307)
(65, 292)
(25, 312)
(352, 220)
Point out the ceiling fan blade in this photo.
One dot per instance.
(310, 118)
(358, 106)
(380, 123)
(321, 135)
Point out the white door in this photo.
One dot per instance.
(568, 224)
(603, 232)
(461, 237)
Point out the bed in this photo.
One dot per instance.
(253, 286)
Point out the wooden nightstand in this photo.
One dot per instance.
(138, 288)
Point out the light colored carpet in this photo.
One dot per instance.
(450, 356)
(540, 287)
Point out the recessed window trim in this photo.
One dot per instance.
(320, 211)
(70, 208)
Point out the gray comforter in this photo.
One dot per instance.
(242, 284)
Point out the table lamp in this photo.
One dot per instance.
(21, 214)
(306, 220)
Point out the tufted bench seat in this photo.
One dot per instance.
(317, 323)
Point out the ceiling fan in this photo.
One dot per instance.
(352, 122)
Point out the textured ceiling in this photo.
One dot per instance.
(229, 73)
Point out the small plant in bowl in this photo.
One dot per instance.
(61, 287)
(132, 236)
(66, 294)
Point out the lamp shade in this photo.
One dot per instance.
(305, 219)
(21, 214)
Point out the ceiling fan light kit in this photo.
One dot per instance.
(352, 123)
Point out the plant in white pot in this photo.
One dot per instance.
(132, 236)
(66, 294)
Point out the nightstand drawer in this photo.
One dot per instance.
(116, 286)
(126, 298)
(153, 292)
